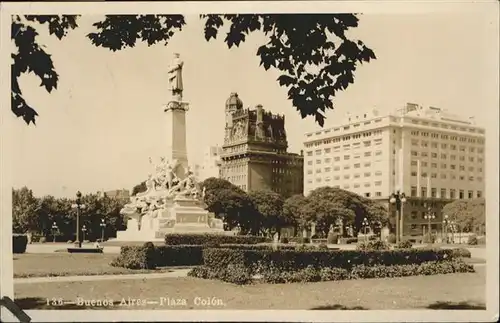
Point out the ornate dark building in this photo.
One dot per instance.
(254, 155)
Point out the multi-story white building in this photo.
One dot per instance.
(210, 166)
(427, 153)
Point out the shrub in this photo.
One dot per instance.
(235, 274)
(391, 238)
(202, 239)
(178, 255)
(328, 274)
(261, 260)
(284, 240)
(322, 246)
(132, 257)
(19, 243)
(373, 245)
(472, 241)
(461, 253)
(332, 238)
(406, 244)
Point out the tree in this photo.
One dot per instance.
(312, 51)
(139, 188)
(227, 200)
(269, 210)
(293, 209)
(25, 208)
(469, 215)
(327, 202)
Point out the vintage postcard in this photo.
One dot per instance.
(249, 161)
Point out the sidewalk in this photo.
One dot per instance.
(31, 280)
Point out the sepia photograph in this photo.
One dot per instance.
(193, 161)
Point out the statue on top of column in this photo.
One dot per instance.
(175, 77)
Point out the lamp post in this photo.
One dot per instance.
(103, 226)
(446, 222)
(398, 199)
(365, 224)
(378, 225)
(429, 216)
(84, 229)
(54, 230)
(452, 227)
(78, 205)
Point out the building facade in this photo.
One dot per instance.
(429, 154)
(254, 155)
(119, 194)
(210, 166)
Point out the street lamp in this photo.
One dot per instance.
(366, 225)
(78, 205)
(453, 229)
(398, 199)
(54, 230)
(378, 225)
(103, 226)
(429, 216)
(446, 222)
(84, 229)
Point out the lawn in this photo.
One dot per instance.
(66, 264)
(453, 291)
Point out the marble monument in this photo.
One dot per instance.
(173, 201)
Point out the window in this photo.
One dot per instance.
(443, 193)
(444, 146)
(413, 173)
(328, 160)
(461, 158)
(356, 185)
(336, 178)
(434, 145)
(443, 166)
(346, 176)
(453, 167)
(367, 194)
(433, 175)
(336, 168)
(414, 153)
(461, 194)
(423, 191)
(453, 157)
(424, 144)
(434, 155)
(337, 159)
(346, 157)
(433, 192)
(443, 176)
(452, 193)
(378, 153)
(470, 194)
(328, 150)
(328, 169)
(434, 165)
(378, 173)
(309, 153)
(367, 164)
(479, 194)
(378, 193)
(347, 166)
(424, 154)
(413, 191)
(310, 162)
(443, 156)
(414, 163)
(318, 161)
(471, 159)
(424, 174)
(367, 174)
(356, 175)
(309, 172)
(357, 165)
(367, 184)
(318, 170)
(318, 152)
(378, 183)
(368, 154)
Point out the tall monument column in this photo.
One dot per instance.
(175, 111)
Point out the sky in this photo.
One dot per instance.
(97, 130)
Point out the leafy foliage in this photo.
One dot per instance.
(31, 57)
(293, 209)
(139, 188)
(269, 209)
(19, 243)
(328, 204)
(312, 51)
(33, 214)
(469, 215)
(228, 200)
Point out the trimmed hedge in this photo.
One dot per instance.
(238, 274)
(150, 256)
(406, 244)
(259, 260)
(373, 245)
(202, 239)
(299, 240)
(19, 243)
(461, 253)
(348, 240)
